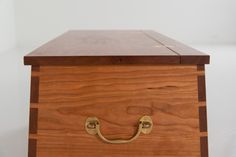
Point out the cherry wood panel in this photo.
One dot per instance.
(144, 147)
(102, 43)
(187, 54)
(118, 96)
(113, 47)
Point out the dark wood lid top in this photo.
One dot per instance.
(114, 47)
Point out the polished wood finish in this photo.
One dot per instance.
(33, 117)
(101, 60)
(33, 121)
(201, 67)
(119, 96)
(32, 145)
(201, 88)
(204, 146)
(117, 76)
(187, 54)
(203, 118)
(114, 48)
(202, 111)
(35, 68)
(34, 91)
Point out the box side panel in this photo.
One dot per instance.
(118, 96)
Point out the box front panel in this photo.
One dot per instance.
(118, 96)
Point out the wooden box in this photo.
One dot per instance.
(117, 94)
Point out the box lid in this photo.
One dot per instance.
(114, 47)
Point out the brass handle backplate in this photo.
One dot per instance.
(92, 126)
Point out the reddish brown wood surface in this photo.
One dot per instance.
(187, 54)
(32, 146)
(118, 96)
(114, 47)
(35, 68)
(203, 118)
(201, 67)
(202, 111)
(201, 88)
(204, 146)
(34, 91)
(33, 116)
(33, 121)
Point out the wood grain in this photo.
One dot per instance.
(33, 115)
(118, 96)
(35, 68)
(201, 88)
(32, 148)
(100, 60)
(203, 118)
(204, 146)
(201, 67)
(187, 54)
(202, 111)
(33, 122)
(34, 89)
(114, 47)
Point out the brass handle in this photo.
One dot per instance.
(92, 126)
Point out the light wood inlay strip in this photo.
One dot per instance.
(200, 73)
(33, 136)
(34, 105)
(35, 74)
(202, 103)
(203, 134)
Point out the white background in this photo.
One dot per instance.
(7, 25)
(208, 25)
(191, 21)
